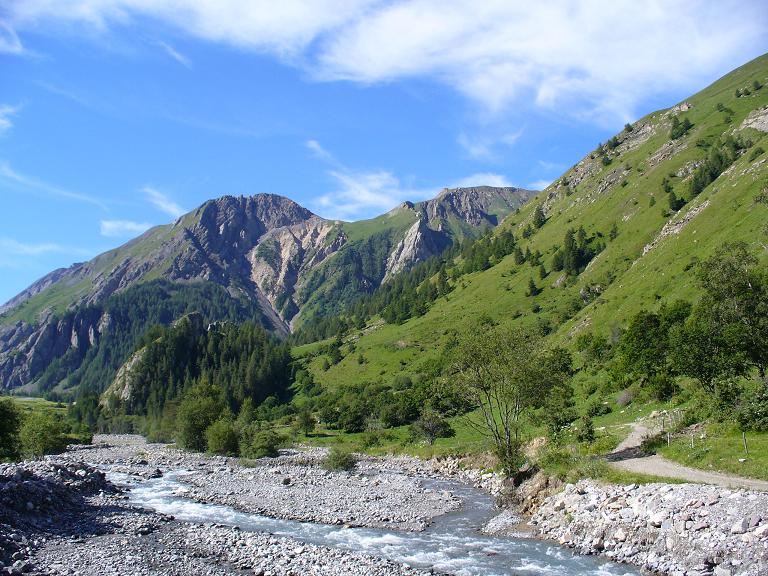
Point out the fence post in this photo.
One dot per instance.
(744, 439)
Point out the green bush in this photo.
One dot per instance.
(196, 413)
(339, 459)
(431, 426)
(753, 413)
(597, 408)
(42, 434)
(756, 153)
(585, 432)
(221, 438)
(10, 423)
(264, 444)
(370, 438)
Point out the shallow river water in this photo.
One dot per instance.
(452, 544)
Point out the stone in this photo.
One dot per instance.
(657, 518)
(740, 526)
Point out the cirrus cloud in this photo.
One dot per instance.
(589, 59)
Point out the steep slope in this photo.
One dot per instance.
(378, 248)
(263, 249)
(648, 258)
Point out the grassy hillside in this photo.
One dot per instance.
(622, 279)
(621, 195)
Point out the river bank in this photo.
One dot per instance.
(63, 516)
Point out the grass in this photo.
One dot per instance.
(628, 280)
(721, 450)
(30, 406)
(397, 441)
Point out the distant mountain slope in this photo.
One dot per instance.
(650, 205)
(263, 249)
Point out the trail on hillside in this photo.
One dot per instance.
(628, 456)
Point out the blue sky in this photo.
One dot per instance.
(120, 114)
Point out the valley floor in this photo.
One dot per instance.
(64, 516)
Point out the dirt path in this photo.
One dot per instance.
(628, 456)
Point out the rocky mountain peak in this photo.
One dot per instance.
(246, 218)
(474, 206)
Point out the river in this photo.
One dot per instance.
(452, 544)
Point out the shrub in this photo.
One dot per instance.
(370, 438)
(264, 444)
(430, 426)
(339, 459)
(305, 422)
(597, 408)
(10, 423)
(42, 434)
(679, 129)
(221, 438)
(755, 153)
(586, 430)
(753, 414)
(197, 412)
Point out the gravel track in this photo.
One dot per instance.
(627, 456)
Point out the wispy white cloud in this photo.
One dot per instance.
(9, 40)
(487, 146)
(13, 247)
(366, 194)
(116, 228)
(175, 54)
(318, 150)
(483, 179)
(163, 203)
(34, 185)
(539, 184)
(6, 113)
(284, 28)
(588, 59)
(360, 193)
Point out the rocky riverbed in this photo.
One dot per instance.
(62, 515)
(292, 486)
(679, 529)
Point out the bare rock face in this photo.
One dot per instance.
(26, 350)
(419, 243)
(283, 256)
(475, 207)
(453, 214)
(123, 384)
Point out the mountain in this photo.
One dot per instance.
(265, 250)
(642, 210)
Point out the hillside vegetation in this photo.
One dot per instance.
(644, 253)
(636, 282)
(624, 231)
